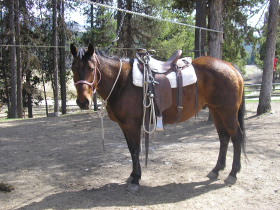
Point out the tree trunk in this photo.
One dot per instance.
(18, 58)
(3, 68)
(266, 87)
(45, 94)
(91, 15)
(29, 94)
(215, 38)
(63, 69)
(55, 63)
(129, 38)
(200, 21)
(91, 25)
(119, 18)
(13, 110)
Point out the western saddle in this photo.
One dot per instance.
(159, 85)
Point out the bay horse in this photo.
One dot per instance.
(220, 86)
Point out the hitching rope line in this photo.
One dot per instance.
(118, 9)
(143, 15)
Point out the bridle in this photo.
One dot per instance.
(95, 69)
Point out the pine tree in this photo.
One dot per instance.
(13, 110)
(266, 88)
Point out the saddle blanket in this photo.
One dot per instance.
(188, 74)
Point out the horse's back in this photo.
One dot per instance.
(217, 67)
(219, 82)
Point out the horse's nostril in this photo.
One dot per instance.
(78, 102)
(84, 104)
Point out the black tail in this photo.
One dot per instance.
(241, 114)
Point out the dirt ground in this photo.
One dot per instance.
(58, 163)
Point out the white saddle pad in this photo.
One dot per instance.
(188, 74)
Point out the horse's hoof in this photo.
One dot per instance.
(230, 180)
(129, 180)
(134, 188)
(212, 175)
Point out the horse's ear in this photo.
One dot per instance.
(74, 50)
(90, 48)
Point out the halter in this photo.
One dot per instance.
(91, 84)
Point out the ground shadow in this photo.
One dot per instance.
(252, 117)
(116, 195)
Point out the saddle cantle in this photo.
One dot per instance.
(162, 67)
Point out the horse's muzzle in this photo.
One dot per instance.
(83, 105)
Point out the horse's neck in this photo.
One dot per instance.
(109, 70)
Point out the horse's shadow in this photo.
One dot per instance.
(113, 194)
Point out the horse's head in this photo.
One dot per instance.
(84, 73)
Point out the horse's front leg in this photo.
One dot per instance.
(132, 133)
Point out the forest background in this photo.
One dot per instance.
(35, 36)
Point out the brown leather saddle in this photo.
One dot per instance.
(162, 88)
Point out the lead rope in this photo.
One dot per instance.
(101, 112)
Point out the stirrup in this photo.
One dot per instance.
(159, 124)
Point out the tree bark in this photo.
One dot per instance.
(215, 38)
(63, 69)
(28, 92)
(4, 70)
(129, 38)
(45, 94)
(266, 87)
(200, 21)
(13, 111)
(55, 63)
(119, 18)
(95, 107)
(18, 58)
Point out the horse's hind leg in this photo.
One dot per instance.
(237, 140)
(232, 126)
(224, 140)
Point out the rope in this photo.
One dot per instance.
(102, 112)
(115, 81)
(151, 105)
(148, 99)
(143, 15)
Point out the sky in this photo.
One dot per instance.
(257, 19)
